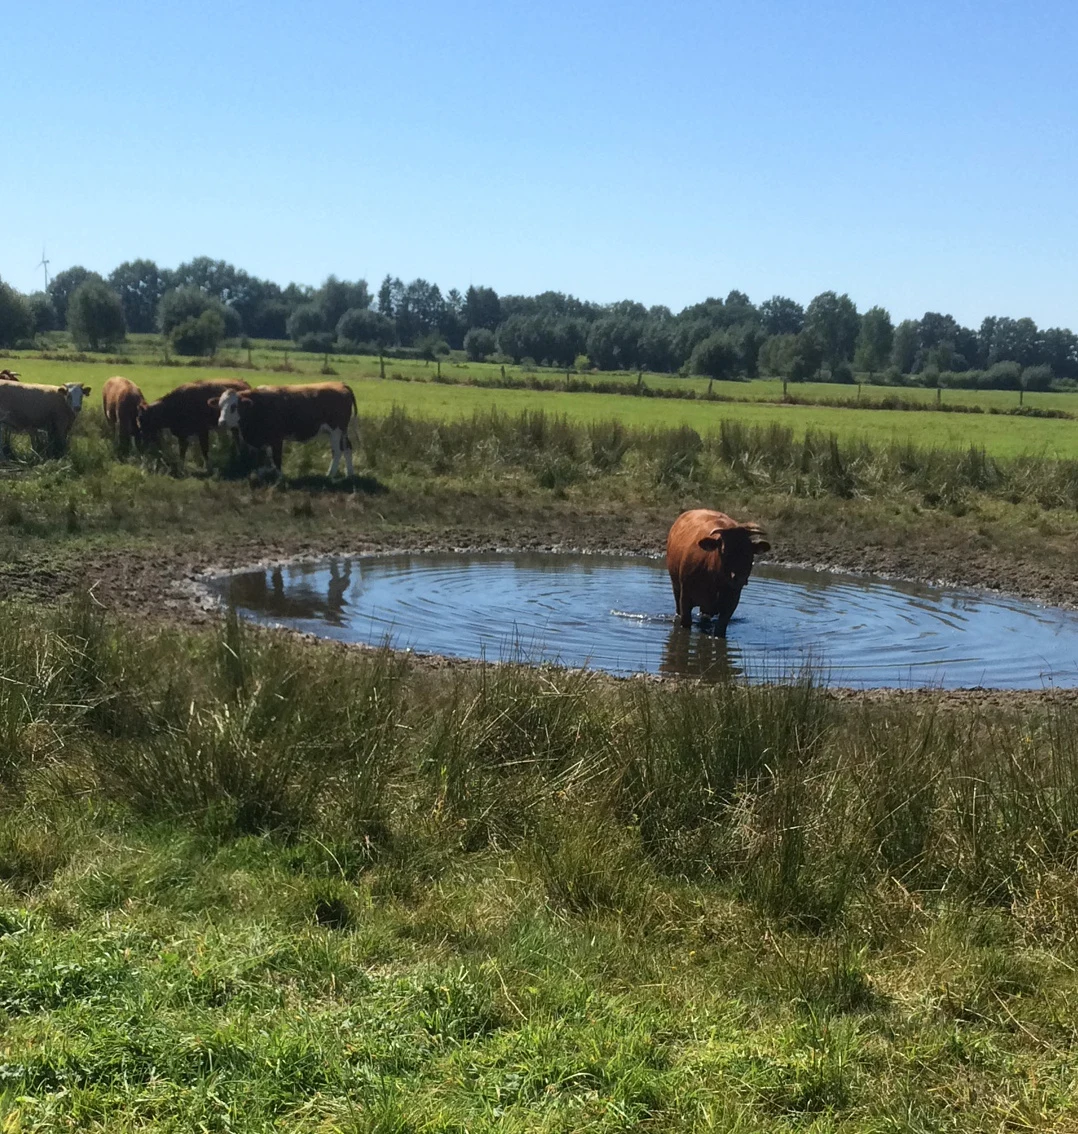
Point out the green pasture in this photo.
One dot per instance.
(998, 435)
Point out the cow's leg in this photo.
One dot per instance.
(182, 443)
(335, 446)
(277, 449)
(204, 445)
(347, 441)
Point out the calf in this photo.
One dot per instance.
(709, 557)
(185, 413)
(122, 401)
(270, 415)
(8, 376)
(26, 407)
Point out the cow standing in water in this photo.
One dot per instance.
(185, 413)
(709, 557)
(270, 415)
(122, 401)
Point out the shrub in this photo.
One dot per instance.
(306, 320)
(842, 372)
(581, 363)
(1002, 376)
(95, 316)
(184, 303)
(716, 357)
(1036, 377)
(479, 343)
(316, 342)
(361, 325)
(198, 335)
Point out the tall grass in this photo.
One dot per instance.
(785, 798)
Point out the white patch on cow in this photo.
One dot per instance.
(74, 395)
(229, 417)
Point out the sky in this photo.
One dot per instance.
(918, 155)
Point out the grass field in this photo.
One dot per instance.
(249, 885)
(1000, 436)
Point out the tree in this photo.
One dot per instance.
(806, 358)
(43, 312)
(782, 316)
(833, 321)
(419, 311)
(335, 297)
(95, 315)
(777, 355)
(904, 346)
(140, 284)
(716, 357)
(874, 341)
(363, 327)
(482, 308)
(16, 316)
(389, 296)
(200, 335)
(189, 302)
(62, 287)
(479, 343)
(308, 319)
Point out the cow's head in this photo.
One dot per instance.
(228, 407)
(736, 546)
(75, 393)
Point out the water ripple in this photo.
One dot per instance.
(616, 614)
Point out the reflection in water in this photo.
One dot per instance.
(301, 599)
(616, 614)
(697, 651)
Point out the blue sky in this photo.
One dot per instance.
(923, 156)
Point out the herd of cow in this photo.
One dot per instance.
(709, 556)
(263, 417)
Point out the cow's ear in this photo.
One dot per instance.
(86, 391)
(759, 546)
(245, 401)
(712, 541)
(214, 403)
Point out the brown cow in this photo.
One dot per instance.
(709, 557)
(270, 415)
(8, 376)
(26, 407)
(122, 401)
(185, 413)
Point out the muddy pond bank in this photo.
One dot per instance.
(155, 575)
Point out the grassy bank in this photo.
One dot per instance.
(249, 884)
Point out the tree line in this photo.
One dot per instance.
(203, 302)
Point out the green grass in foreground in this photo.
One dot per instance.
(249, 884)
(1000, 436)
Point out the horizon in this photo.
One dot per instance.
(885, 156)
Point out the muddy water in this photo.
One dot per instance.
(616, 614)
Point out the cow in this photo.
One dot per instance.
(122, 401)
(25, 408)
(709, 557)
(9, 376)
(268, 416)
(185, 413)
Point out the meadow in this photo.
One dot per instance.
(250, 882)
(468, 387)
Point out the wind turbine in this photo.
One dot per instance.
(44, 264)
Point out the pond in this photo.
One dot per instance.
(617, 614)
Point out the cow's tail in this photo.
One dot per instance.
(353, 420)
